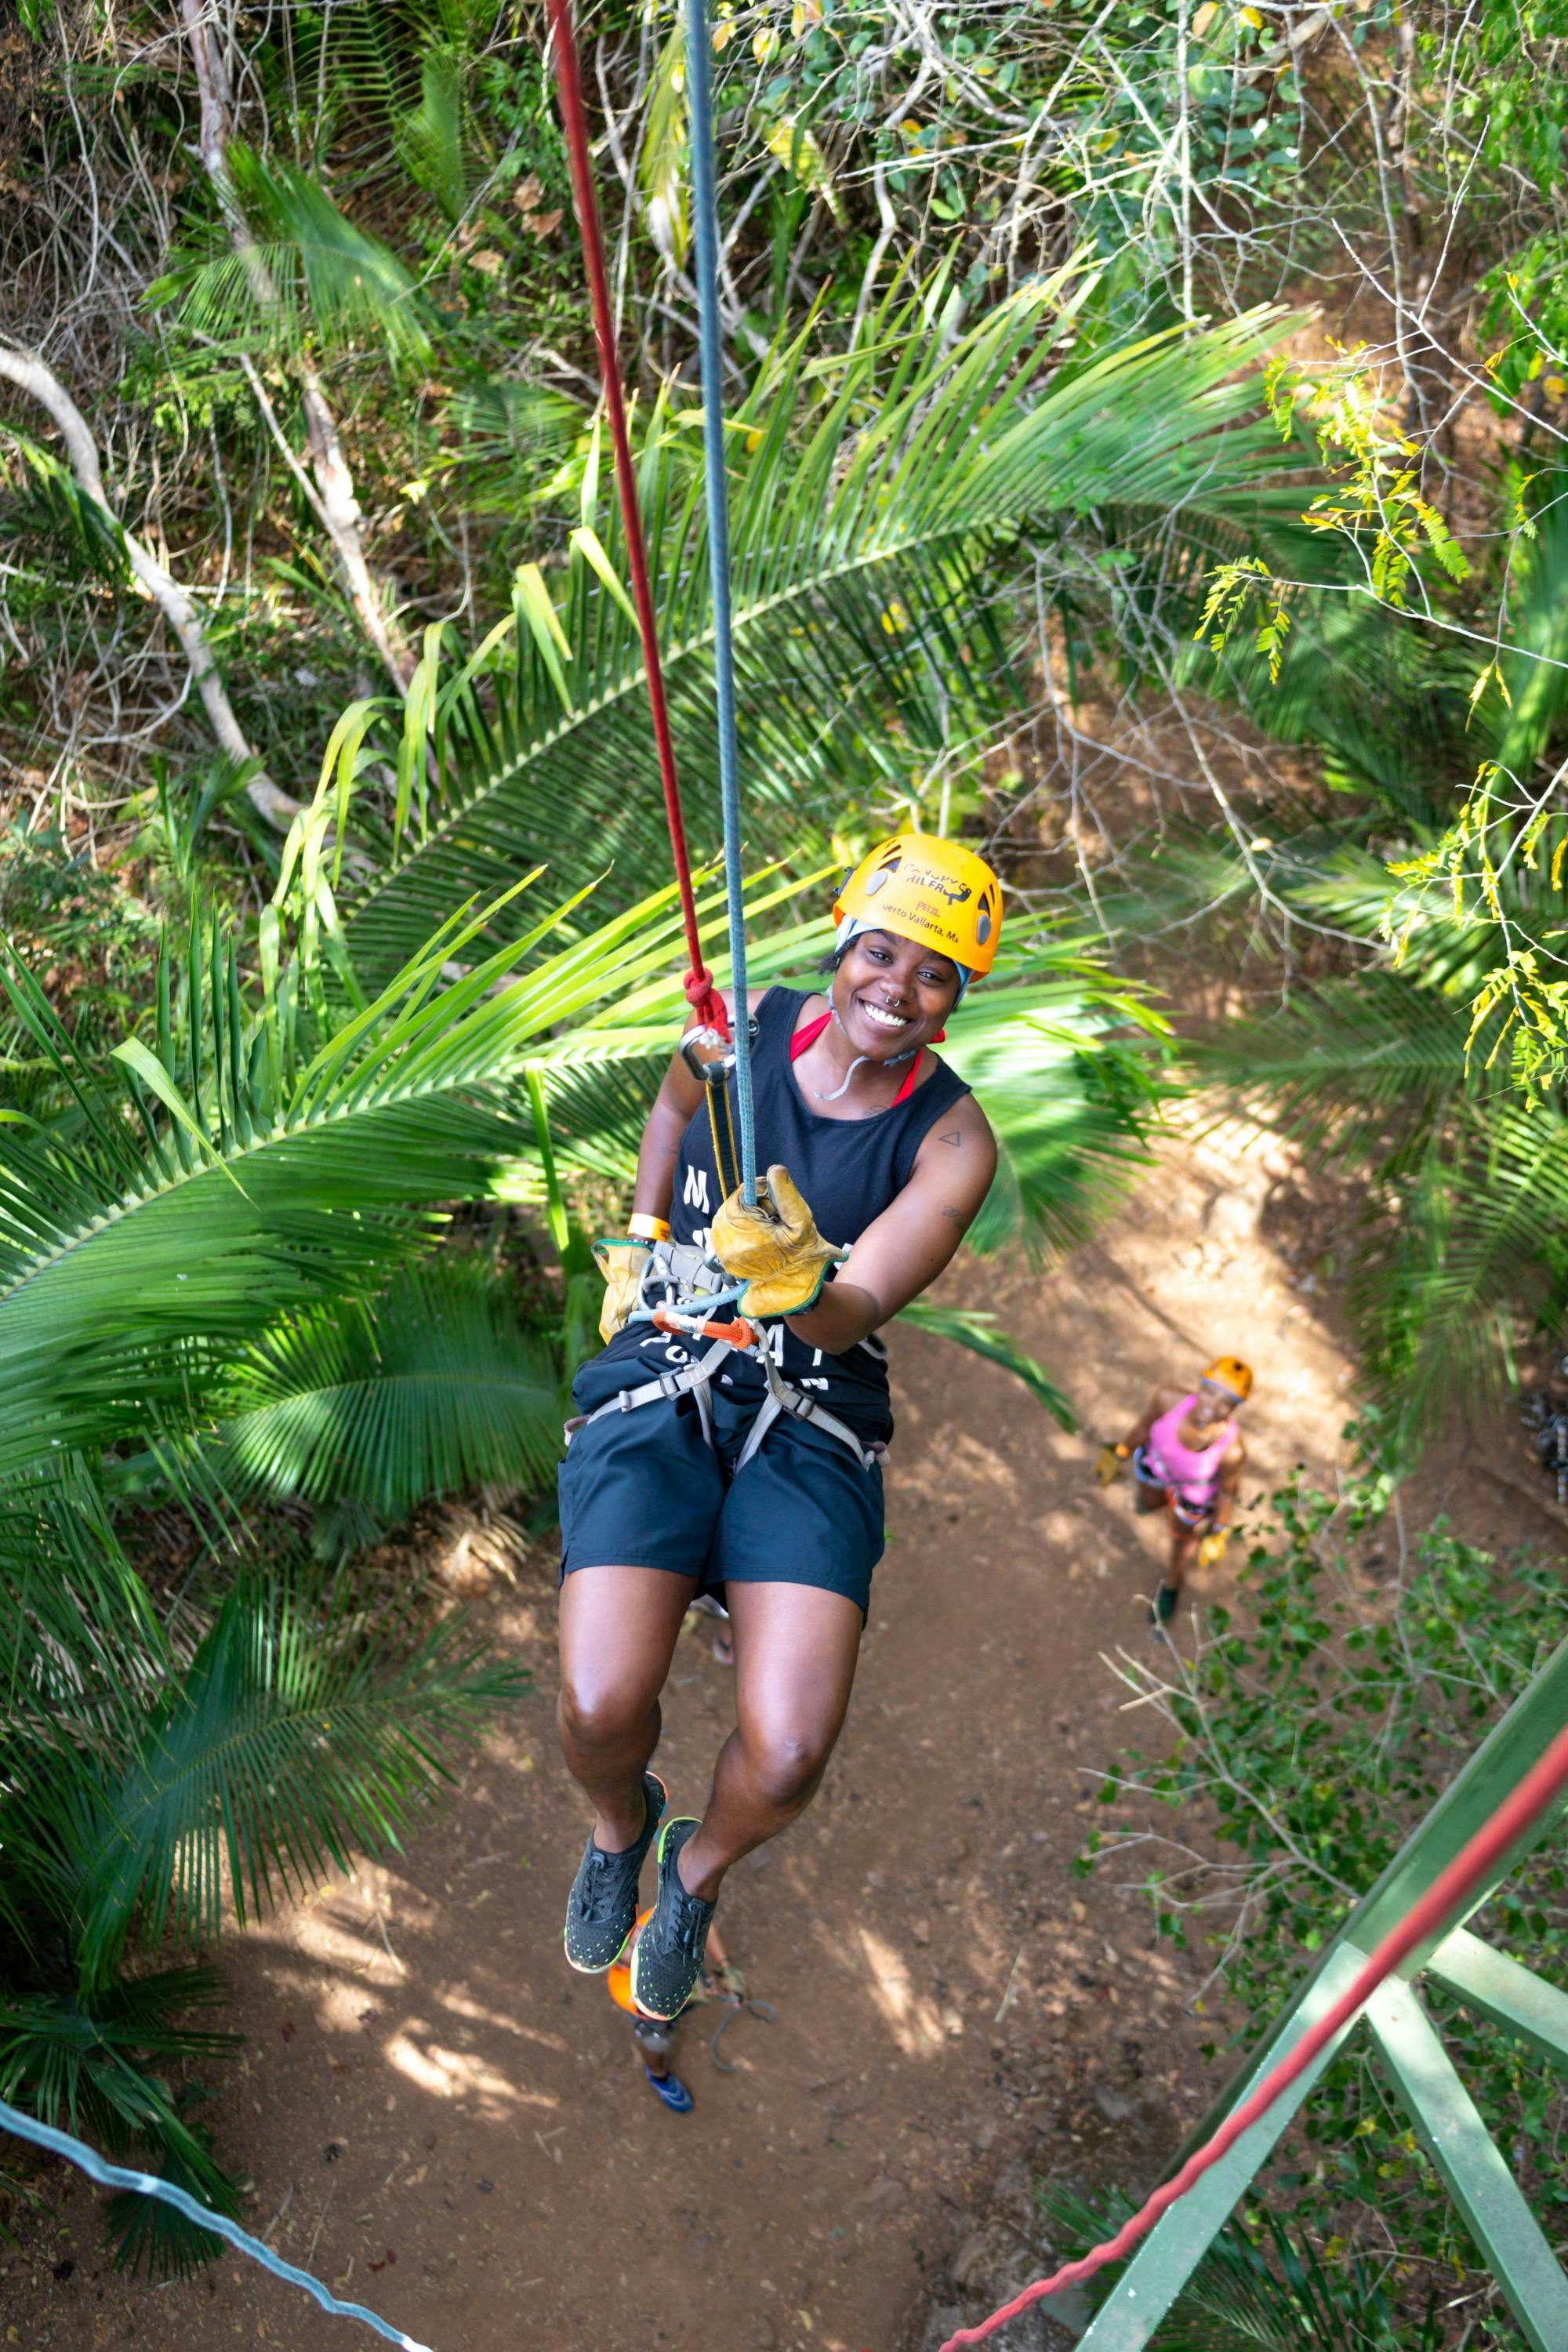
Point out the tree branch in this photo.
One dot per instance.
(38, 381)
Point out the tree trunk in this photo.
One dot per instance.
(33, 376)
(336, 506)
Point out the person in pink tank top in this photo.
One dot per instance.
(1187, 1455)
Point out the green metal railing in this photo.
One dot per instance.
(1421, 2074)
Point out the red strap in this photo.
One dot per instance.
(907, 1089)
(701, 991)
(804, 1039)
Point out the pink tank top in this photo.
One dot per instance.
(1195, 1476)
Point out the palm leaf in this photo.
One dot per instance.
(83, 2062)
(973, 1328)
(296, 1735)
(433, 1388)
(308, 275)
(879, 501)
(133, 1256)
(1361, 1065)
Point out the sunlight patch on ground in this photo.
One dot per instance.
(459, 2002)
(913, 2019)
(459, 2074)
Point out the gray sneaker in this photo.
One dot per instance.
(667, 1961)
(603, 1908)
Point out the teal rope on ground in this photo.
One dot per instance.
(147, 2184)
(705, 221)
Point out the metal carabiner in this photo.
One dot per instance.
(710, 1054)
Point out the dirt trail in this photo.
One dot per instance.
(443, 2120)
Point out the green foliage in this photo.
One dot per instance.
(878, 501)
(975, 1329)
(436, 1388)
(1261, 2283)
(304, 272)
(144, 1795)
(1317, 1725)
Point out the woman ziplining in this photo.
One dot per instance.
(753, 1466)
(756, 1467)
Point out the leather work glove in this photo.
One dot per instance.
(774, 1247)
(1213, 1546)
(1108, 1465)
(621, 1262)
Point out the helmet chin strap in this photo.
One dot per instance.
(890, 1064)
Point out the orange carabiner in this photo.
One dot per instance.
(738, 1333)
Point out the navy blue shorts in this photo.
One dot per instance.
(644, 1489)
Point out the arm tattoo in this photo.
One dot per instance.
(951, 1135)
(956, 1216)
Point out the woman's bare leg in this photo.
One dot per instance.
(796, 1648)
(618, 1632)
(1185, 1544)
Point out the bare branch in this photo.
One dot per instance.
(32, 375)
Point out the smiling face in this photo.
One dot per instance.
(891, 994)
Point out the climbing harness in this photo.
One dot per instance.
(679, 1297)
(1443, 1902)
(167, 2192)
(717, 1049)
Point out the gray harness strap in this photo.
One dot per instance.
(781, 1398)
(784, 1397)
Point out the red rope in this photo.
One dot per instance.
(700, 989)
(1446, 1895)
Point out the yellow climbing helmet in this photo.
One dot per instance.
(928, 889)
(1230, 1372)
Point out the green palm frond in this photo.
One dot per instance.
(93, 2063)
(878, 501)
(432, 1387)
(309, 275)
(1525, 727)
(258, 1154)
(1064, 1062)
(1466, 1188)
(1384, 705)
(302, 1730)
(1480, 1235)
(81, 1645)
(1362, 1065)
(973, 1328)
(432, 140)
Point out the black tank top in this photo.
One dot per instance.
(849, 1172)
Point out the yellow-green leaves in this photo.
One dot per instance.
(1232, 588)
(1374, 499)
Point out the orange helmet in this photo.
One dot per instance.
(619, 1978)
(929, 889)
(1230, 1372)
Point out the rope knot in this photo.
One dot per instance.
(705, 1000)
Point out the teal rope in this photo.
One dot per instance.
(705, 216)
(147, 2184)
